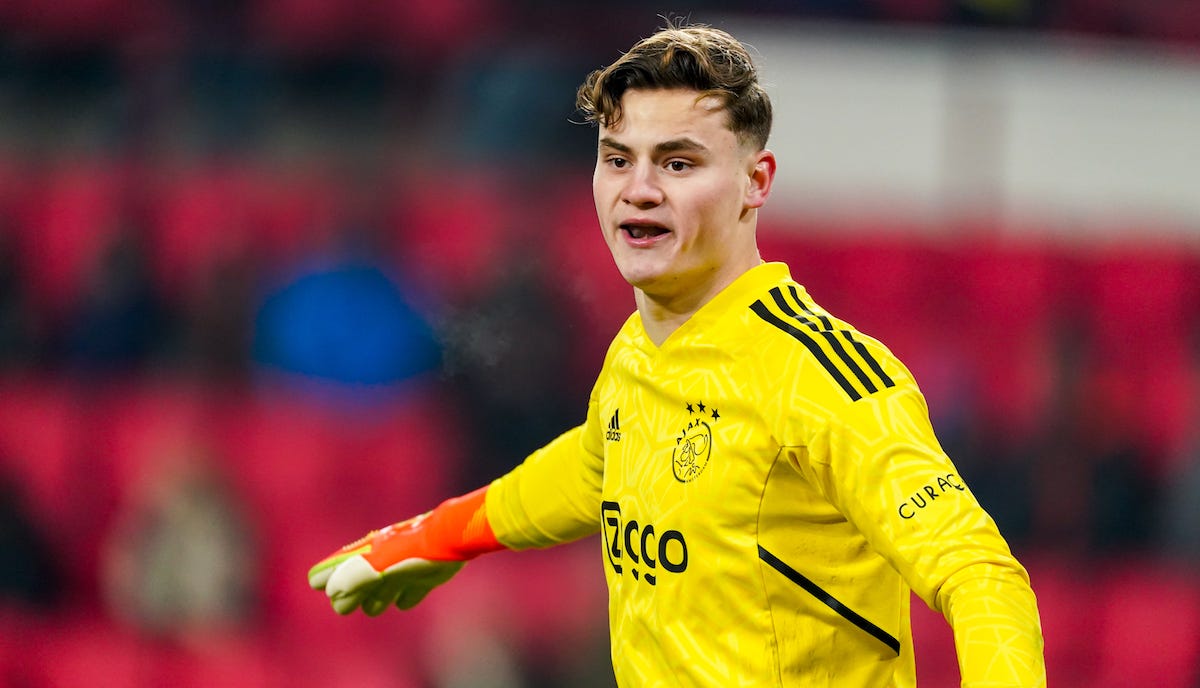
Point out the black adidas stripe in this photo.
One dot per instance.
(858, 346)
(828, 334)
(820, 325)
(760, 309)
(828, 325)
(829, 600)
(866, 355)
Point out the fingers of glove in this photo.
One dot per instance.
(346, 603)
(382, 595)
(412, 597)
(420, 577)
(350, 583)
(373, 606)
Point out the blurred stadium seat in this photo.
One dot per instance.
(1148, 627)
(453, 240)
(70, 214)
(933, 646)
(1066, 592)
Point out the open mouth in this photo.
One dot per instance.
(644, 231)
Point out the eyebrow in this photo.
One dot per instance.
(683, 144)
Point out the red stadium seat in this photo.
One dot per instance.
(200, 215)
(1142, 302)
(63, 227)
(1148, 627)
(888, 287)
(455, 244)
(82, 650)
(205, 217)
(354, 651)
(231, 658)
(297, 210)
(65, 483)
(1066, 594)
(1007, 299)
(933, 647)
(39, 444)
(1143, 310)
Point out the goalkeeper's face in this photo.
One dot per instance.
(676, 193)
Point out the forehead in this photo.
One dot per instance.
(666, 113)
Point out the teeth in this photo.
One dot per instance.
(643, 231)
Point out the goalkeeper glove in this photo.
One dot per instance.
(402, 563)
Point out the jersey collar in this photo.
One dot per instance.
(740, 293)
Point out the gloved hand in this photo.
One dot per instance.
(402, 563)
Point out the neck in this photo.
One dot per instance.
(664, 312)
(661, 318)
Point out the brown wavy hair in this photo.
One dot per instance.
(696, 57)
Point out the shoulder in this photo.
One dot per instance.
(803, 340)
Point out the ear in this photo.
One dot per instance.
(762, 175)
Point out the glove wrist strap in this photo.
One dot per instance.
(460, 528)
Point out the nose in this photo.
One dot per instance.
(642, 189)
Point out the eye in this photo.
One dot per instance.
(679, 165)
(617, 162)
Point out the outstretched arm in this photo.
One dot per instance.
(551, 498)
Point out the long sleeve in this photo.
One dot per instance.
(997, 632)
(879, 461)
(552, 497)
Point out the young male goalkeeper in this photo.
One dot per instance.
(764, 477)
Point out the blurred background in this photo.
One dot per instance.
(274, 272)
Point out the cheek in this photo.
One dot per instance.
(604, 195)
(714, 211)
(715, 226)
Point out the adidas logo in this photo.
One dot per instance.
(614, 427)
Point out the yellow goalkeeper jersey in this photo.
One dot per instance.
(768, 490)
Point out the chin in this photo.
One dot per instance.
(640, 276)
(641, 267)
(636, 279)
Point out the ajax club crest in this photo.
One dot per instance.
(693, 444)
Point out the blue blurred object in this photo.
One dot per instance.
(349, 323)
